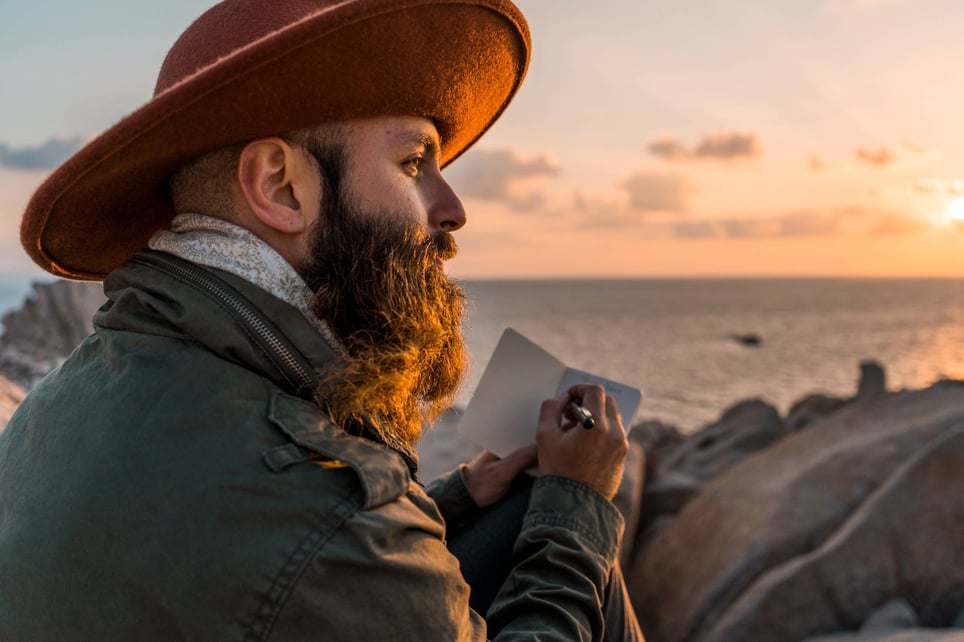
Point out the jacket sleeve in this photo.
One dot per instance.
(452, 498)
(387, 575)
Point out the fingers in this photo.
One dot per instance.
(521, 459)
(590, 396)
(485, 457)
(612, 414)
(550, 413)
(596, 456)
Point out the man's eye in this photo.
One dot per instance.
(414, 165)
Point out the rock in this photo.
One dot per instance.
(656, 439)
(958, 622)
(667, 494)
(745, 428)
(811, 534)
(750, 340)
(53, 320)
(628, 497)
(646, 532)
(896, 621)
(895, 614)
(811, 408)
(873, 380)
(908, 635)
(10, 397)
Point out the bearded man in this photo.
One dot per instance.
(230, 455)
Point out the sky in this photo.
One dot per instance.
(651, 138)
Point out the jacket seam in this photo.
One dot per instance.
(284, 583)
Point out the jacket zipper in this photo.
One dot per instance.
(300, 377)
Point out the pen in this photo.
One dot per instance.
(583, 417)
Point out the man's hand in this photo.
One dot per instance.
(595, 456)
(488, 478)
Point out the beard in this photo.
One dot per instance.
(378, 282)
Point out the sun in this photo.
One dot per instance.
(955, 209)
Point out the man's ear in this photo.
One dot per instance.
(278, 185)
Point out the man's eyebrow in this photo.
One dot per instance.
(423, 139)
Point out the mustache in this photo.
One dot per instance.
(442, 245)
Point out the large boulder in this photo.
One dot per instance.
(39, 335)
(777, 507)
(905, 544)
(811, 408)
(747, 427)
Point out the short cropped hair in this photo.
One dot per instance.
(203, 185)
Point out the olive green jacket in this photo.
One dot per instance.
(168, 483)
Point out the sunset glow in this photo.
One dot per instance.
(955, 209)
(756, 138)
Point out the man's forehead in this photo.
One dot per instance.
(411, 131)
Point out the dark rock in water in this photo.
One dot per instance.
(747, 427)
(873, 380)
(751, 340)
(815, 533)
(53, 320)
(812, 408)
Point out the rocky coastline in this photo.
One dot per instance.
(842, 520)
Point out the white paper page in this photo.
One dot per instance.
(627, 398)
(503, 414)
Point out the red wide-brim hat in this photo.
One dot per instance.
(252, 68)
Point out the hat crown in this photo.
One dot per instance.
(228, 27)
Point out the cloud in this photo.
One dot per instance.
(813, 224)
(47, 155)
(908, 154)
(696, 230)
(725, 146)
(881, 156)
(894, 224)
(815, 163)
(501, 175)
(784, 226)
(655, 192)
(940, 186)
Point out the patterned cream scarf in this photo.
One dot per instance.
(216, 243)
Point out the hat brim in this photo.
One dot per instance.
(458, 63)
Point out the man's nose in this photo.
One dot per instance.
(445, 211)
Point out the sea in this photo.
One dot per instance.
(674, 339)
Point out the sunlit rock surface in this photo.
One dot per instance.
(812, 534)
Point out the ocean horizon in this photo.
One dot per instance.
(674, 337)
